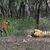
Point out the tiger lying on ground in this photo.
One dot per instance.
(3, 27)
(39, 33)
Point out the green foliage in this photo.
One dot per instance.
(29, 48)
(19, 24)
(44, 23)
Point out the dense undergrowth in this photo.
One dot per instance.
(18, 26)
(44, 24)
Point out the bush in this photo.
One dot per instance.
(44, 24)
(19, 24)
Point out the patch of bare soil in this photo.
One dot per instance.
(11, 43)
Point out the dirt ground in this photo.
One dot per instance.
(21, 43)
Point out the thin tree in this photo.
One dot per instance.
(38, 5)
(46, 8)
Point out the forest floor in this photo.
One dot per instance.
(19, 40)
(24, 43)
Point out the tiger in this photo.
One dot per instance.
(3, 27)
(40, 33)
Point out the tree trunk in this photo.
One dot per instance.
(37, 14)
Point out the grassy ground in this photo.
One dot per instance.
(18, 26)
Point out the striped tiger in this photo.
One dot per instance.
(39, 33)
(3, 27)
